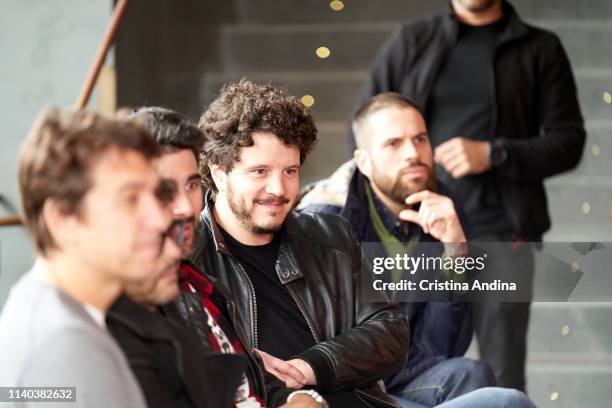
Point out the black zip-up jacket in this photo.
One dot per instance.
(536, 116)
(320, 263)
(172, 366)
(189, 310)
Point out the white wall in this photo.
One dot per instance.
(46, 47)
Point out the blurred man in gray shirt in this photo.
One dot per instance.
(94, 207)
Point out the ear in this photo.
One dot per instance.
(363, 161)
(61, 225)
(219, 176)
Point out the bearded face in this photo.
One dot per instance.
(404, 182)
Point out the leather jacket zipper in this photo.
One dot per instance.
(254, 337)
(261, 386)
(306, 315)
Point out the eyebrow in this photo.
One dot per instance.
(401, 137)
(133, 185)
(194, 176)
(267, 166)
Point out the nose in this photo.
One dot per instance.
(409, 151)
(276, 185)
(171, 252)
(155, 215)
(181, 206)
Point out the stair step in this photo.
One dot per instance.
(578, 232)
(261, 47)
(336, 92)
(569, 386)
(273, 11)
(567, 197)
(577, 366)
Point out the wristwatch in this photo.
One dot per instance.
(497, 154)
(313, 394)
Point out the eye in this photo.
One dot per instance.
(392, 143)
(420, 139)
(260, 172)
(131, 199)
(292, 171)
(192, 185)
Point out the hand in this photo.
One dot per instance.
(302, 401)
(460, 156)
(305, 369)
(437, 216)
(283, 370)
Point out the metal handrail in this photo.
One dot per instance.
(90, 81)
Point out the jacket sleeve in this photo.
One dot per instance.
(384, 76)
(276, 390)
(562, 136)
(375, 348)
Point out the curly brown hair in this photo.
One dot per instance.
(243, 108)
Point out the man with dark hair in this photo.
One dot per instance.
(295, 278)
(501, 106)
(389, 193)
(174, 341)
(91, 201)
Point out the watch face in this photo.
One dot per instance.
(498, 155)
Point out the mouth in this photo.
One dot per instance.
(417, 171)
(272, 204)
(188, 230)
(170, 272)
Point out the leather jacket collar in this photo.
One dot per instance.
(287, 267)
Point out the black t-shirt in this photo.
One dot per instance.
(281, 327)
(462, 104)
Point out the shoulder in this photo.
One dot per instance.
(421, 28)
(322, 229)
(542, 42)
(330, 193)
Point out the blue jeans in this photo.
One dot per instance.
(445, 381)
(490, 397)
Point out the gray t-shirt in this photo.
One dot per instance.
(48, 339)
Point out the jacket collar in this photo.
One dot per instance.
(515, 28)
(354, 209)
(287, 268)
(139, 320)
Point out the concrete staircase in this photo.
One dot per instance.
(275, 41)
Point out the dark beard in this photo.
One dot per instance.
(398, 192)
(240, 211)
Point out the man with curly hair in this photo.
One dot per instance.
(295, 278)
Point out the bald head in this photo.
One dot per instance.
(363, 127)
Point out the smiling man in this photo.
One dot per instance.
(295, 278)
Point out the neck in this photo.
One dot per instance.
(227, 220)
(81, 282)
(478, 18)
(393, 206)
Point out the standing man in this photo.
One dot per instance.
(91, 202)
(296, 278)
(500, 102)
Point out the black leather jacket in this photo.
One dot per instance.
(321, 265)
(188, 309)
